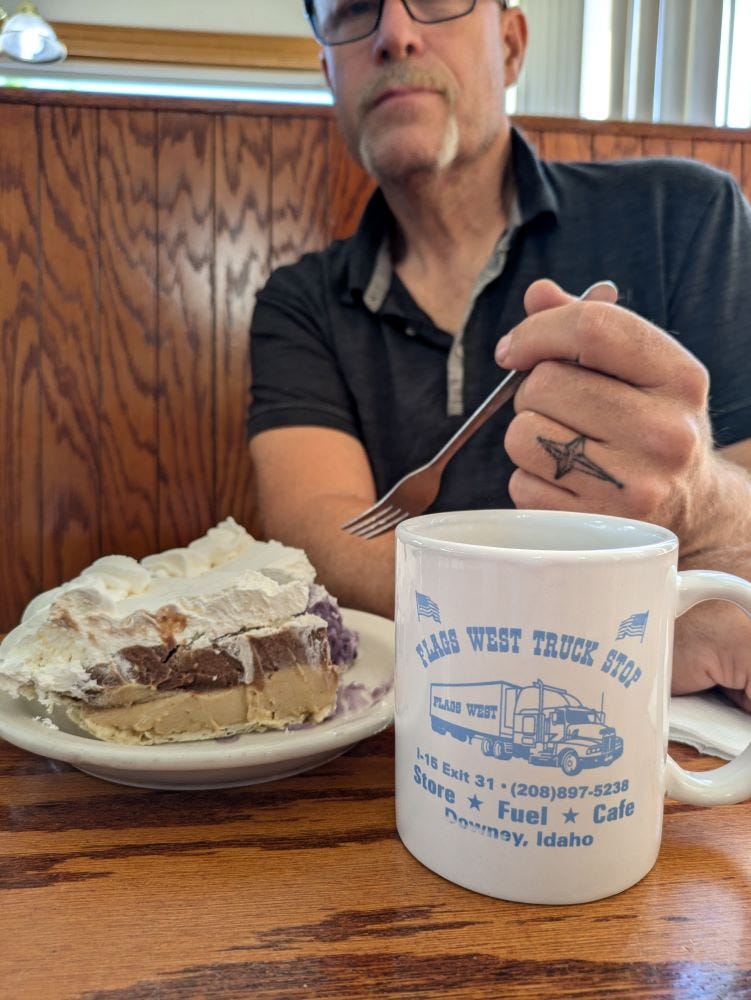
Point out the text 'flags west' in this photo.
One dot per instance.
(427, 608)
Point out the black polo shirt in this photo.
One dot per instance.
(330, 348)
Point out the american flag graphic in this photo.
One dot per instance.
(634, 625)
(427, 608)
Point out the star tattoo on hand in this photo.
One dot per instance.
(570, 456)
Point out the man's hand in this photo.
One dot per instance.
(712, 644)
(613, 419)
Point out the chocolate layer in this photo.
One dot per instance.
(190, 669)
(247, 658)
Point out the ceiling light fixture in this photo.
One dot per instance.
(26, 37)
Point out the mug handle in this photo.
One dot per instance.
(731, 782)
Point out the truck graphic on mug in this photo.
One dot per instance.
(543, 724)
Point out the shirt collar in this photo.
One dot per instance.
(369, 265)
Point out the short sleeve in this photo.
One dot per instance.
(295, 377)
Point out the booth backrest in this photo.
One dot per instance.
(134, 235)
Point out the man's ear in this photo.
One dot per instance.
(514, 39)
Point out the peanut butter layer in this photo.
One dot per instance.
(297, 694)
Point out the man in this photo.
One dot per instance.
(368, 356)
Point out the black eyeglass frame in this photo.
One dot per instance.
(311, 16)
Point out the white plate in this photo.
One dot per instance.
(366, 706)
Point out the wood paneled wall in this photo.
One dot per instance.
(564, 139)
(134, 235)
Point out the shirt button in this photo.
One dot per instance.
(410, 331)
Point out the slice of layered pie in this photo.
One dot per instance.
(228, 635)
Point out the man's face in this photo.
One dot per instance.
(421, 97)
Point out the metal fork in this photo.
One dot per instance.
(415, 492)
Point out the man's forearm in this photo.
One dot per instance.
(358, 572)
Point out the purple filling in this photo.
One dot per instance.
(343, 640)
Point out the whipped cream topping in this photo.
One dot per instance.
(227, 546)
(217, 547)
(222, 583)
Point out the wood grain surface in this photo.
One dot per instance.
(193, 48)
(242, 261)
(299, 205)
(20, 400)
(349, 187)
(301, 888)
(657, 146)
(134, 235)
(612, 146)
(725, 155)
(128, 319)
(69, 280)
(186, 326)
(562, 145)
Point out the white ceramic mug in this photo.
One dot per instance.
(533, 660)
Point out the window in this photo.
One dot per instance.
(645, 60)
(734, 95)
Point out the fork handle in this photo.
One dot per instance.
(605, 291)
(500, 395)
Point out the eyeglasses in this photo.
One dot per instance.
(336, 22)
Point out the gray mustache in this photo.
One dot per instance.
(403, 75)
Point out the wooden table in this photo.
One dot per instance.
(301, 888)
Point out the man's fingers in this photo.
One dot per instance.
(560, 455)
(606, 339)
(546, 294)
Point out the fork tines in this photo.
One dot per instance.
(376, 520)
